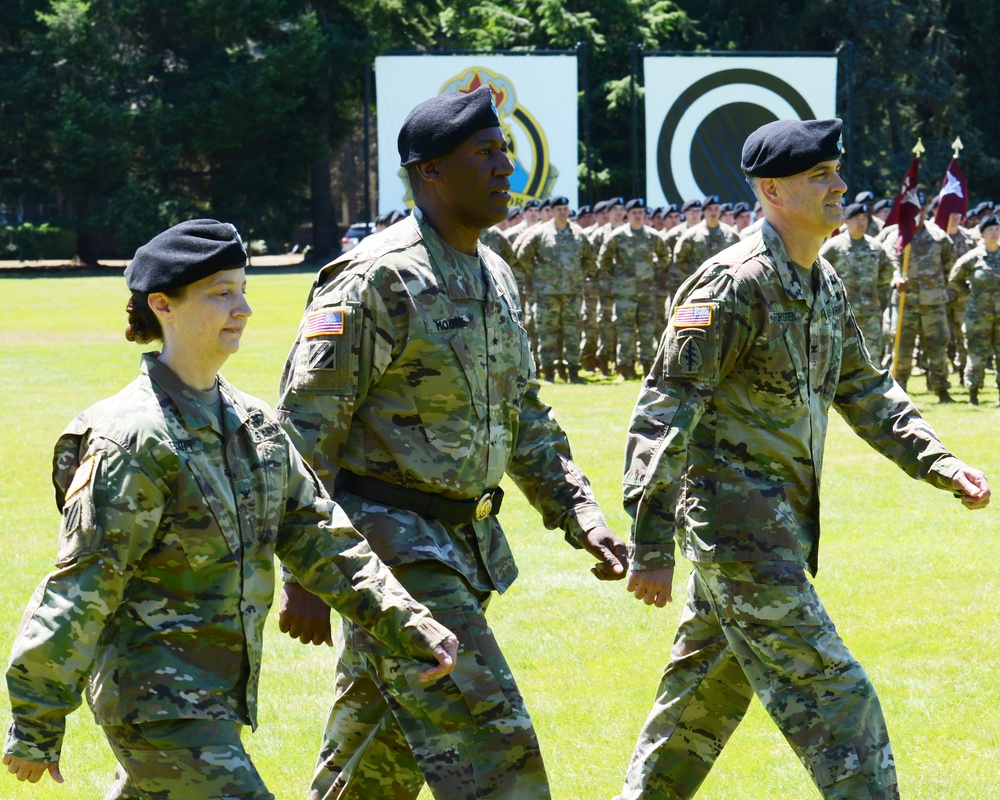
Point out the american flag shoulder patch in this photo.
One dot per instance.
(696, 315)
(329, 322)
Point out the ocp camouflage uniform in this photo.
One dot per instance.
(429, 385)
(976, 279)
(494, 239)
(963, 242)
(604, 331)
(924, 309)
(866, 270)
(165, 575)
(724, 455)
(629, 261)
(694, 247)
(590, 310)
(525, 282)
(561, 260)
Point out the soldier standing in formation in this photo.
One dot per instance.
(724, 454)
(976, 278)
(176, 494)
(700, 242)
(628, 262)
(560, 257)
(605, 330)
(411, 391)
(865, 268)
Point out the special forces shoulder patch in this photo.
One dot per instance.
(691, 346)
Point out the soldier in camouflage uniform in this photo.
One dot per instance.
(628, 261)
(607, 340)
(525, 280)
(724, 455)
(700, 242)
(560, 256)
(864, 267)
(412, 409)
(590, 311)
(963, 241)
(176, 494)
(924, 310)
(671, 220)
(976, 279)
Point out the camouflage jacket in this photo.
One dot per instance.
(426, 381)
(931, 259)
(725, 447)
(631, 260)
(494, 239)
(165, 569)
(695, 246)
(976, 276)
(559, 259)
(865, 269)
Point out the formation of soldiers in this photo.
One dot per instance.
(596, 283)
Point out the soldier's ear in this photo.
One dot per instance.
(429, 170)
(770, 190)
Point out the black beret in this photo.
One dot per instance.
(854, 209)
(584, 210)
(982, 208)
(184, 254)
(600, 205)
(673, 208)
(741, 208)
(437, 126)
(532, 203)
(726, 207)
(559, 201)
(787, 147)
(986, 222)
(616, 201)
(547, 203)
(710, 200)
(635, 202)
(880, 204)
(688, 204)
(513, 212)
(658, 211)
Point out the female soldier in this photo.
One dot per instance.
(175, 495)
(976, 275)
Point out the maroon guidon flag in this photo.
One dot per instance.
(907, 206)
(954, 195)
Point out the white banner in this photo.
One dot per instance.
(700, 109)
(535, 95)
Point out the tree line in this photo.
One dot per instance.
(125, 116)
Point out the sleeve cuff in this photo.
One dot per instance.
(32, 743)
(649, 556)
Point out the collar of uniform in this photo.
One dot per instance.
(794, 278)
(195, 417)
(461, 273)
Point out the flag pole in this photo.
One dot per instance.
(917, 151)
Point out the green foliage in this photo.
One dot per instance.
(28, 242)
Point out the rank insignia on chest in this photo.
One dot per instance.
(329, 322)
(697, 315)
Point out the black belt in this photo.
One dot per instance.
(426, 505)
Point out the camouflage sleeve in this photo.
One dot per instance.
(881, 413)
(709, 327)
(606, 257)
(958, 278)
(884, 278)
(542, 467)
(525, 249)
(328, 373)
(682, 267)
(321, 548)
(830, 252)
(109, 521)
(588, 260)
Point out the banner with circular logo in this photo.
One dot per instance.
(700, 109)
(536, 98)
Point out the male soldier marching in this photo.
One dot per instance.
(559, 255)
(411, 390)
(724, 454)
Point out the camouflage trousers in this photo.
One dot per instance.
(526, 288)
(607, 337)
(557, 317)
(635, 327)
(468, 735)
(956, 344)
(982, 338)
(193, 759)
(760, 628)
(591, 299)
(931, 324)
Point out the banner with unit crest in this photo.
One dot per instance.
(536, 97)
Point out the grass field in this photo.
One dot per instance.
(909, 575)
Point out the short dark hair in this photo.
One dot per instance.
(143, 326)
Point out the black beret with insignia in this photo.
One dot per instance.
(635, 202)
(855, 209)
(689, 204)
(987, 222)
(741, 208)
(583, 210)
(559, 201)
(880, 204)
(437, 126)
(184, 254)
(710, 200)
(616, 201)
(673, 208)
(787, 147)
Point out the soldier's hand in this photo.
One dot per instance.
(303, 616)
(610, 552)
(446, 653)
(31, 771)
(971, 485)
(652, 586)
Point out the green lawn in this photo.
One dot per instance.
(908, 574)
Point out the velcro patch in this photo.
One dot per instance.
(329, 322)
(695, 315)
(81, 477)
